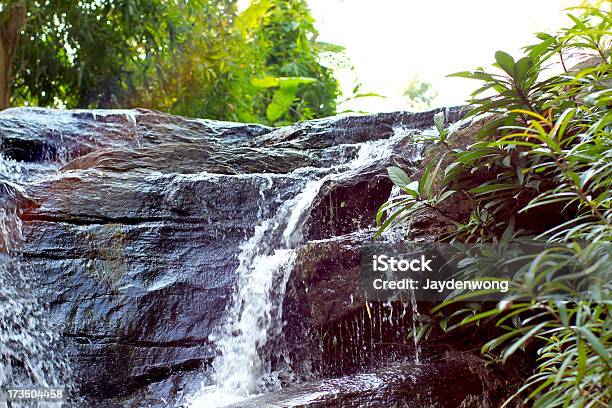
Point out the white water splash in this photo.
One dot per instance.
(415, 337)
(29, 356)
(9, 169)
(237, 373)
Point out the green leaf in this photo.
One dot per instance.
(391, 219)
(412, 188)
(444, 196)
(496, 342)
(451, 172)
(398, 176)
(471, 155)
(582, 360)
(429, 176)
(562, 309)
(439, 122)
(490, 188)
(281, 102)
(505, 62)
(596, 344)
(328, 47)
(252, 15)
(547, 399)
(462, 74)
(479, 316)
(284, 97)
(443, 323)
(543, 36)
(522, 340)
(521, 68)
(266, 82)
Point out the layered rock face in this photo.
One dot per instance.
(134, 221)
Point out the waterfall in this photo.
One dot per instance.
(265, 263)
(29, 355)
(415, 337)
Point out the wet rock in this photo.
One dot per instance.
(51, 137)
(324, 284)
(333, 131)
(323, 290)
(191, 158)
(91, 196)
(12, 196)
(135, 240)
(350, 204)
(449, 380)
(139, 268)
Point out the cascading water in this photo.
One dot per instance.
(415, 337)
(28, 343)
(266, 260)
(393, 235)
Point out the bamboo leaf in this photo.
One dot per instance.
(522, 340)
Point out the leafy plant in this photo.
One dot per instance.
(284, 96)
(543, 167)
(416, 197)
(197, 58)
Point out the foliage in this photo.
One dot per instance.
(259, 66)
(420, 94)
(286, 41)
(198, 58)
(284, 95)
(85, 53)
(546, 149)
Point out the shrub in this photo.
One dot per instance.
(546, 148)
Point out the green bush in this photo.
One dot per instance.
(546, 148)
(199, 58)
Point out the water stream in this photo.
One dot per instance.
(266, 260)
(29, 344)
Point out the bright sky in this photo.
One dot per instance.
(391, 41)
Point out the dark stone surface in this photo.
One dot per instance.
(44, 139)
(324, 285)
(134, 251)
(349, 204)
(139, 268)
(329, 132)
(12, 197)
(191, 158)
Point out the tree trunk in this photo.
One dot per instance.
(10, 30)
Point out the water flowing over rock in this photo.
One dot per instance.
(196, 262)
(451, 381)
(30, 346)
